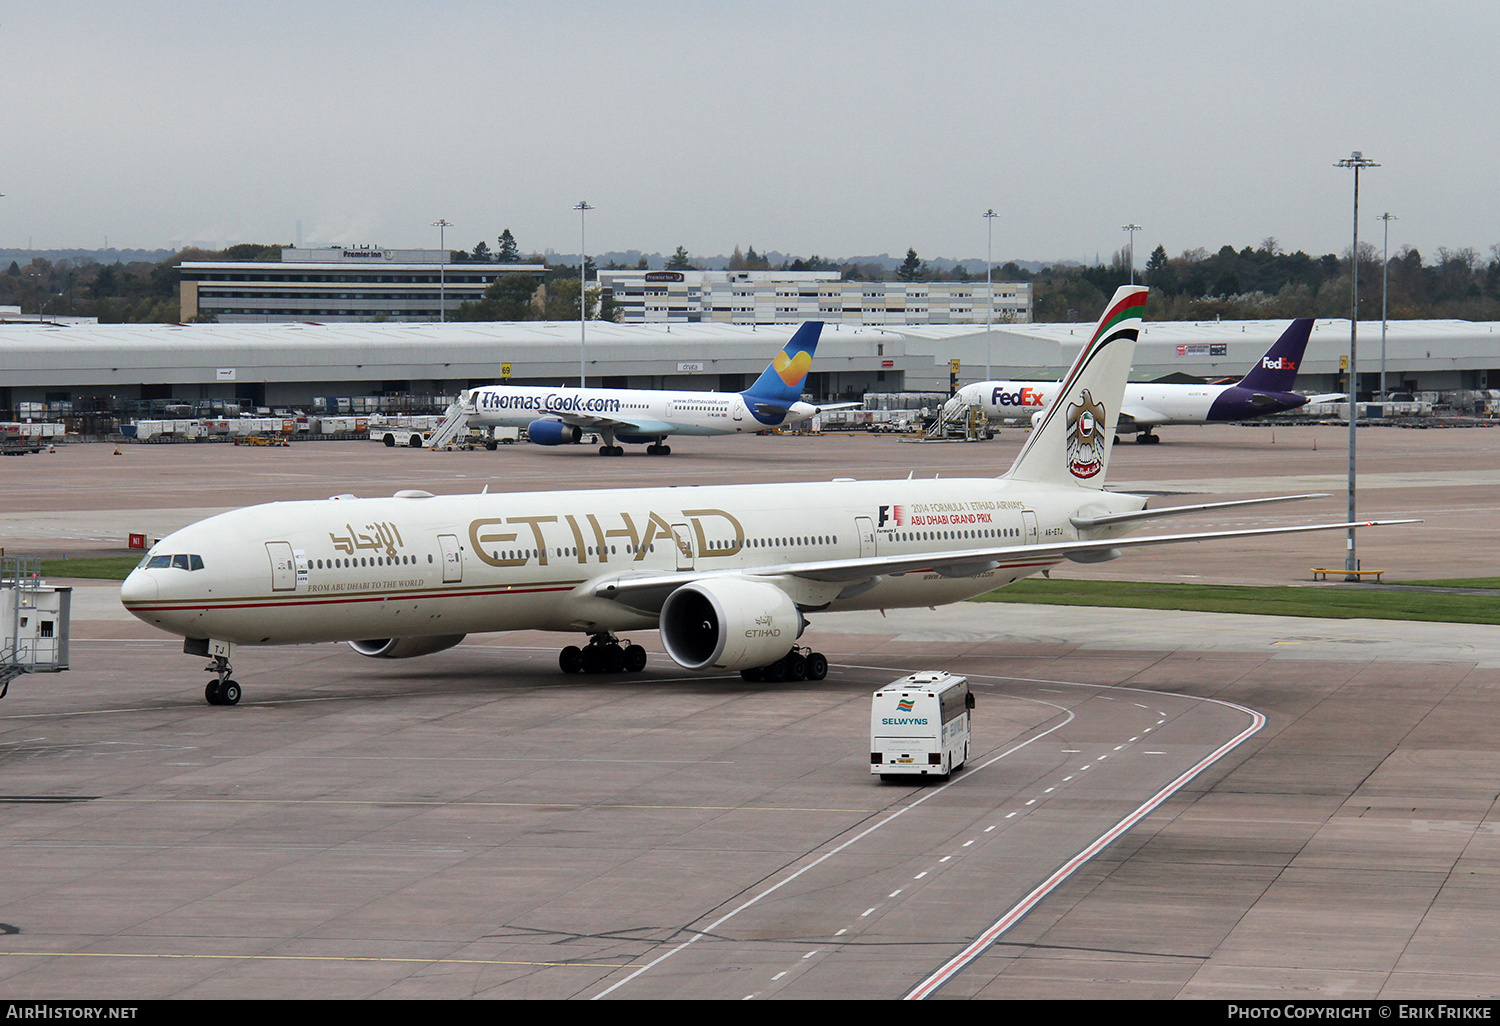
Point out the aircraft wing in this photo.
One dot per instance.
(647, 591)
(593, 422)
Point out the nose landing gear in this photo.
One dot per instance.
(221, 690)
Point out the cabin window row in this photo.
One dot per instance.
(355, 561)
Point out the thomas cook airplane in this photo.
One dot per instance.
(727, 574)
(561, 416)
(1266, 389)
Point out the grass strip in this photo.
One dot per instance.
(1325, 601)
(109, 568)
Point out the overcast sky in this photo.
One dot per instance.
(837, 128)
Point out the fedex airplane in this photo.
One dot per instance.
(560, 416)
(1265, 390)
(728, 574)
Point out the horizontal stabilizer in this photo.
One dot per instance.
(1086, 523)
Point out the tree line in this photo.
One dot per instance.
(1261, 281)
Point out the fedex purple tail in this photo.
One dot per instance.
(1267, 388)
(1277, 370)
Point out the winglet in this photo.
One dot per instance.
(1071, 444)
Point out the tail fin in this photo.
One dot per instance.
(1071, 443)
(1277, 370)
(781, 383)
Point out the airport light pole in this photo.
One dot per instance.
(1357, 161)
(442, 224)
(989, 284)
(583, 209)
(1132, 229)
(1385, 288)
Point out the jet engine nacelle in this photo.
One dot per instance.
(553, 432)
(404, 648)
(729, 624)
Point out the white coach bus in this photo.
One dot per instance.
(919, 725)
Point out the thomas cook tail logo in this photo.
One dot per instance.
(1085, 437)
(792, 369)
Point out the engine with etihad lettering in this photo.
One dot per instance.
(729, 624)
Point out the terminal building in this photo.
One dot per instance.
(337, 284)
(790, 297)
(291, 364)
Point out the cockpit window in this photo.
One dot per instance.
(182, 561)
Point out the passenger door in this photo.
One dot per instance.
(683, 541)
(453, 558)
(283, 566)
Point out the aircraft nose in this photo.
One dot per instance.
(138, 587)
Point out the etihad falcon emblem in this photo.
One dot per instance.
(1085, 437)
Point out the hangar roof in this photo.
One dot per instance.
(94, 354)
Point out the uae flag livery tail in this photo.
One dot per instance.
(1071, 444)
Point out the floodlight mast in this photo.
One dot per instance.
(583, 208)
(1132, 229)
(989, 285)
(1358, 161)
(442, 224)
(1385, 288)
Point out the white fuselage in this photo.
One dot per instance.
(640, 411)
(1145, 404)
(349, 569)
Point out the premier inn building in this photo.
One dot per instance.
(337, 284)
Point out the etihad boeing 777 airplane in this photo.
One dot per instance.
(728, 574)
(561, 416)
(1266, 389)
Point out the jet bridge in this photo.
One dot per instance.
(33, 621)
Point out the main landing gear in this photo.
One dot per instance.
(658, 449)
(221, 690)
(604, 653)
(798, 664)
(1146, 438)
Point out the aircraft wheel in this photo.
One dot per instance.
(229, 693)
(666, 450)
(1142, 439)
(605, 450)
(591, 660)
(796, 667)
(570, 659)
(817, 666)
(635, 659)
(775, 672)
(492, 445)
(752, 674)
(211, 693)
